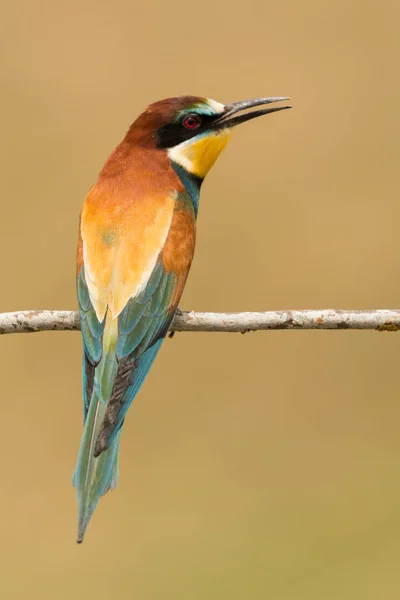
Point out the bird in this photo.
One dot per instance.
(137, 233)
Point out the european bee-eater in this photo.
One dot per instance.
(136, 243)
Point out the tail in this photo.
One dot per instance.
(93, 476)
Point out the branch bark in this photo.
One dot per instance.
(62, 320)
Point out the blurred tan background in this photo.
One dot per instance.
(256, 466)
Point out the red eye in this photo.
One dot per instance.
(191, 122)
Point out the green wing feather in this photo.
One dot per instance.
(143, 322)
(92, 333)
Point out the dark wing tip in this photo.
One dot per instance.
(100, 446)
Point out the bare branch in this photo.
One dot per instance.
(62, 320)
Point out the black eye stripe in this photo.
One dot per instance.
(175, 133)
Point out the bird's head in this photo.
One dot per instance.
(193, 131)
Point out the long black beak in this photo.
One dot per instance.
(227, 120)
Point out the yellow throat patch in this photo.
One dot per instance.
(198, 154)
